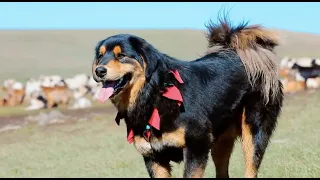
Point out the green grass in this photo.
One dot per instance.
(98, 148)
(18, 110)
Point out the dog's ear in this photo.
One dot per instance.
(146, 51)
(138, 44)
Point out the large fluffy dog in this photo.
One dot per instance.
(180, 111)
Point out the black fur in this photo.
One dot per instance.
(215, 92)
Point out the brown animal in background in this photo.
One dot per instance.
(19, 95)
(56, 95)
(284, 72)
(14, 97)
(3, 102)
(291, 85)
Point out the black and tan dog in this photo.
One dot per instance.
(177, 111)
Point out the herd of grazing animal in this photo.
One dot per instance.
(299, 74)
(46, 92)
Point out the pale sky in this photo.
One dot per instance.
(301, 17)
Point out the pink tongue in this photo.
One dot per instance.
(106, 91)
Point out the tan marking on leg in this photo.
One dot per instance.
(176, 138)
(222, 149)
(142, 146)
(172, 139)
(102, 50)
(198, 173)
(160, 171)
(248, 148)
(221, 153)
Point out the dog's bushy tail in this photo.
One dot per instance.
(255, 46)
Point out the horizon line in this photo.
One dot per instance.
(134, 29)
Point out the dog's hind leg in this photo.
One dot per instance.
(195, 162)
(221, 151)
(257, 125)
(196, 151)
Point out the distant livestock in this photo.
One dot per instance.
(50, 91)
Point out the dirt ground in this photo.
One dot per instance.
(70, 116)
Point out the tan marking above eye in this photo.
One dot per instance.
(116, 50)
(102, 50)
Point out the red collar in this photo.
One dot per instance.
(172, 92)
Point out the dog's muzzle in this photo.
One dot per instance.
(101, 71)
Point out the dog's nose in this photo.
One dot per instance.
(101, 71)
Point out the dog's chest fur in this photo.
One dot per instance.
(171, 134)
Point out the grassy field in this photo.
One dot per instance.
(98, 148)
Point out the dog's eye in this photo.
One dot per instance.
(121, 55)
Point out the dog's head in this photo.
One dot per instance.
(120, 64)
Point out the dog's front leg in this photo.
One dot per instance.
(195, 162)
(157, 168)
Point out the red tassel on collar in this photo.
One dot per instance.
(177, 76)
(130, 137)
(155, 119)
(173, 93)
